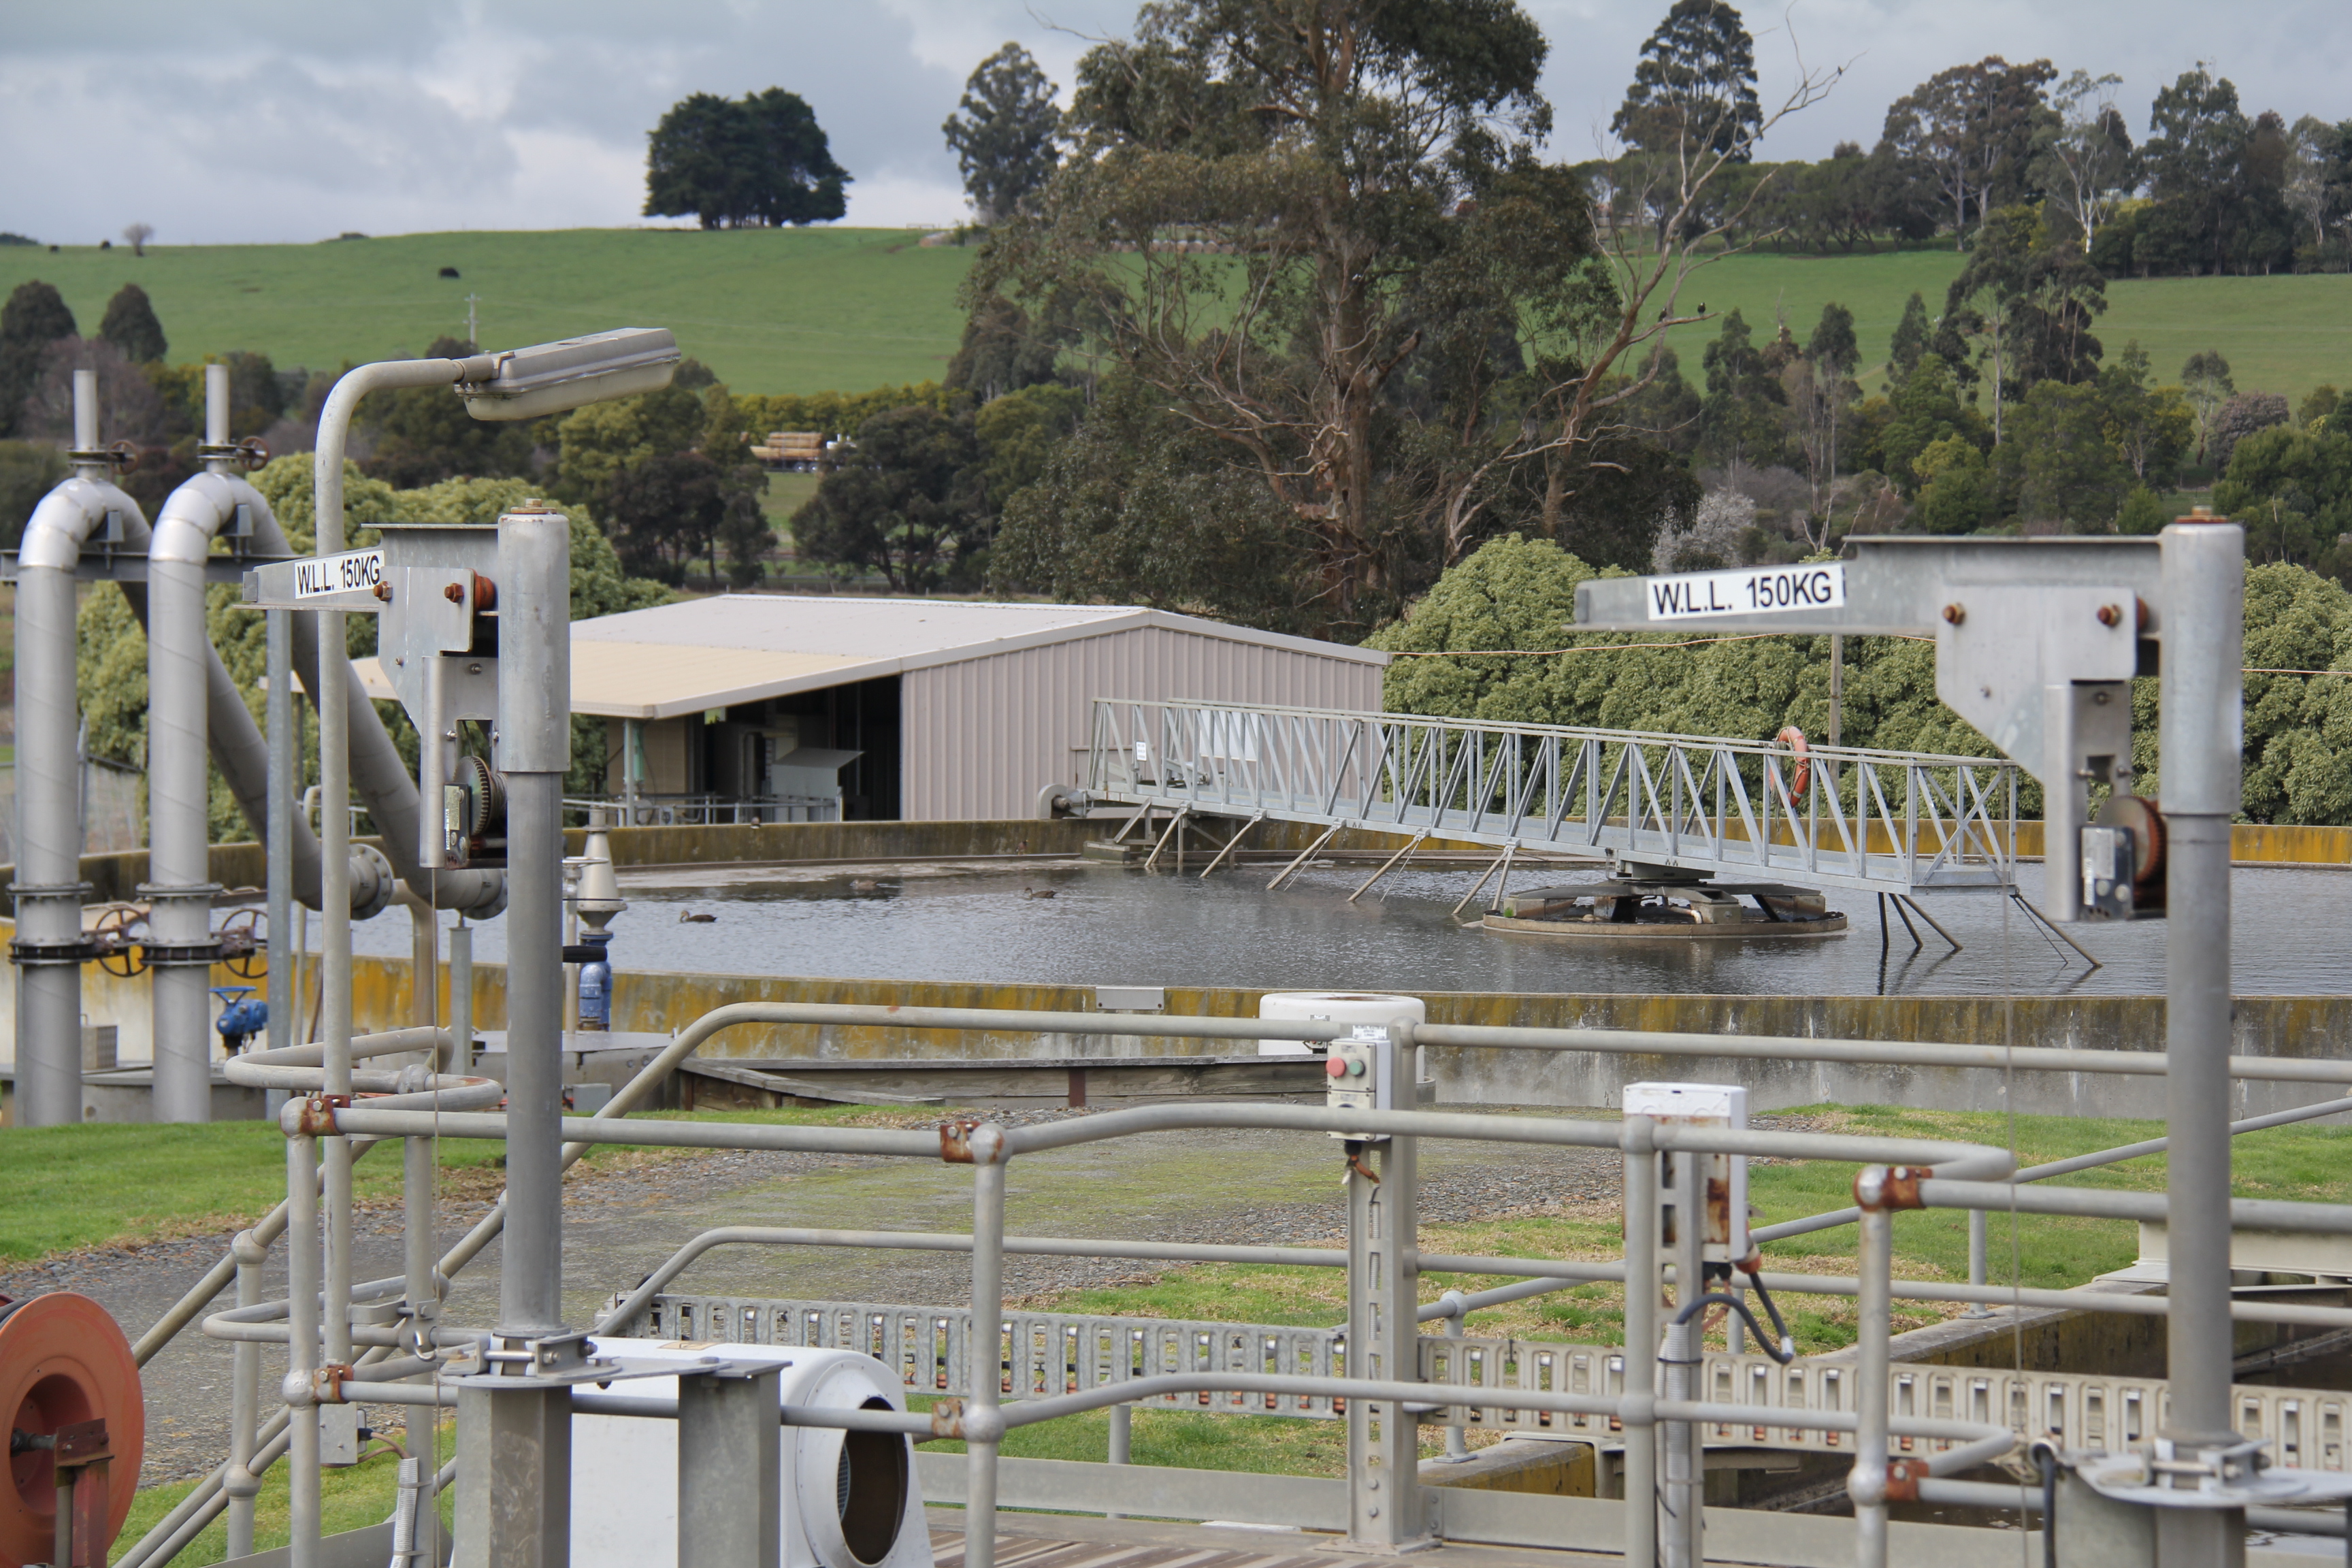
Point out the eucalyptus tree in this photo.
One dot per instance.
(1270, 208)
(2087, 161)
(1003, 132)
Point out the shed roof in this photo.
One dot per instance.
(702, 654)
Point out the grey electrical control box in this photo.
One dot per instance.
(1361, 1066)
(2110, 856)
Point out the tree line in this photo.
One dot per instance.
(664, 474)
(1519, 593)
(2208, 187)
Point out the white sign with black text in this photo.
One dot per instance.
(357, 571)
(1750, 591)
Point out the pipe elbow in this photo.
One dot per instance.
(191, 516)
(480, 894)
(66, 517)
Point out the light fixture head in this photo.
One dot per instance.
(550, 378)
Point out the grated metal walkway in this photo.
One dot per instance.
(1883, 822)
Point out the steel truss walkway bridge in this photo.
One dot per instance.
(1881, 822)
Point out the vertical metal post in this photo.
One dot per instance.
(534, 749)
(571, 939)
(278, 709)
(2201, 744)
(334, 698)
(302, 1279)
(245, 1400)
(1837, 689)
(1682, 1486)
(730, 1470)
(514, 1476)
(1684, 1457)
(1979, 1260)
(983, 1356)
(461, 995)
(1384, 1505)
(633, 750)
(1876, 1308)
(1122, 1435)
(422, 1305)
(1641, 1209)
(1457, 1441)
(2064, 805)
(48, 948)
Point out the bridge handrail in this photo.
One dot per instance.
(1579, 732)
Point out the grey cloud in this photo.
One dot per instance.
(438, 113)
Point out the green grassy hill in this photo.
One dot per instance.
(2281, 334)
(841, 308)
(813, 310)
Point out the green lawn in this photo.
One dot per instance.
(350, 1499)
(120, 1183)
(2281, 334)
(810, 309)
(2302, 1163)
(842, 309)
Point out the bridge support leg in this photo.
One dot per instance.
(1304, 856)
(1390, 864)
(1231, 845)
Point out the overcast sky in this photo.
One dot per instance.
(295, 120)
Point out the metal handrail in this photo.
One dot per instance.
(1853, 817)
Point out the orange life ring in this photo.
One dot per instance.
(1794, 739)
(63, 1359)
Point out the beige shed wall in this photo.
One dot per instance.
(668, 770)
(982, 736)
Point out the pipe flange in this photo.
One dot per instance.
(156, 892)
(184, 954)
(78, 952)
(78, 891)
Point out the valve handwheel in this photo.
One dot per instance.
(63, 1360)
(124, 920)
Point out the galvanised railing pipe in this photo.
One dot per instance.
(2149, 1209)
(1903, 1053)
(49, 948)
(2066, 1167)
(934, 1241)
(1625, 1042)
(1923, 1152)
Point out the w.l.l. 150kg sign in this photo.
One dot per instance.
(1751, 590)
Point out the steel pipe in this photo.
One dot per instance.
(48, 889)
(302, 1350)
(2066, 1167)
(2200, 743)
(980, 1412)
(1904, 1053)
(1182, 1117)
(244, 1395)
(924, 1241)
(1638, 1411)
(180, 886)
(2248, 1214)
(1868, 1482)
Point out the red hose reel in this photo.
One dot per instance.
(69, 1390)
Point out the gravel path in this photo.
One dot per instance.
(1228, 1186)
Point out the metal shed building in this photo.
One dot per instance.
(930, 710)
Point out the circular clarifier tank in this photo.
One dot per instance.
(1109, 925)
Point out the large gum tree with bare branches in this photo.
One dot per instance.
(1319, 234)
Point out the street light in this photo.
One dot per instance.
(514, 384)
(548, 378)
